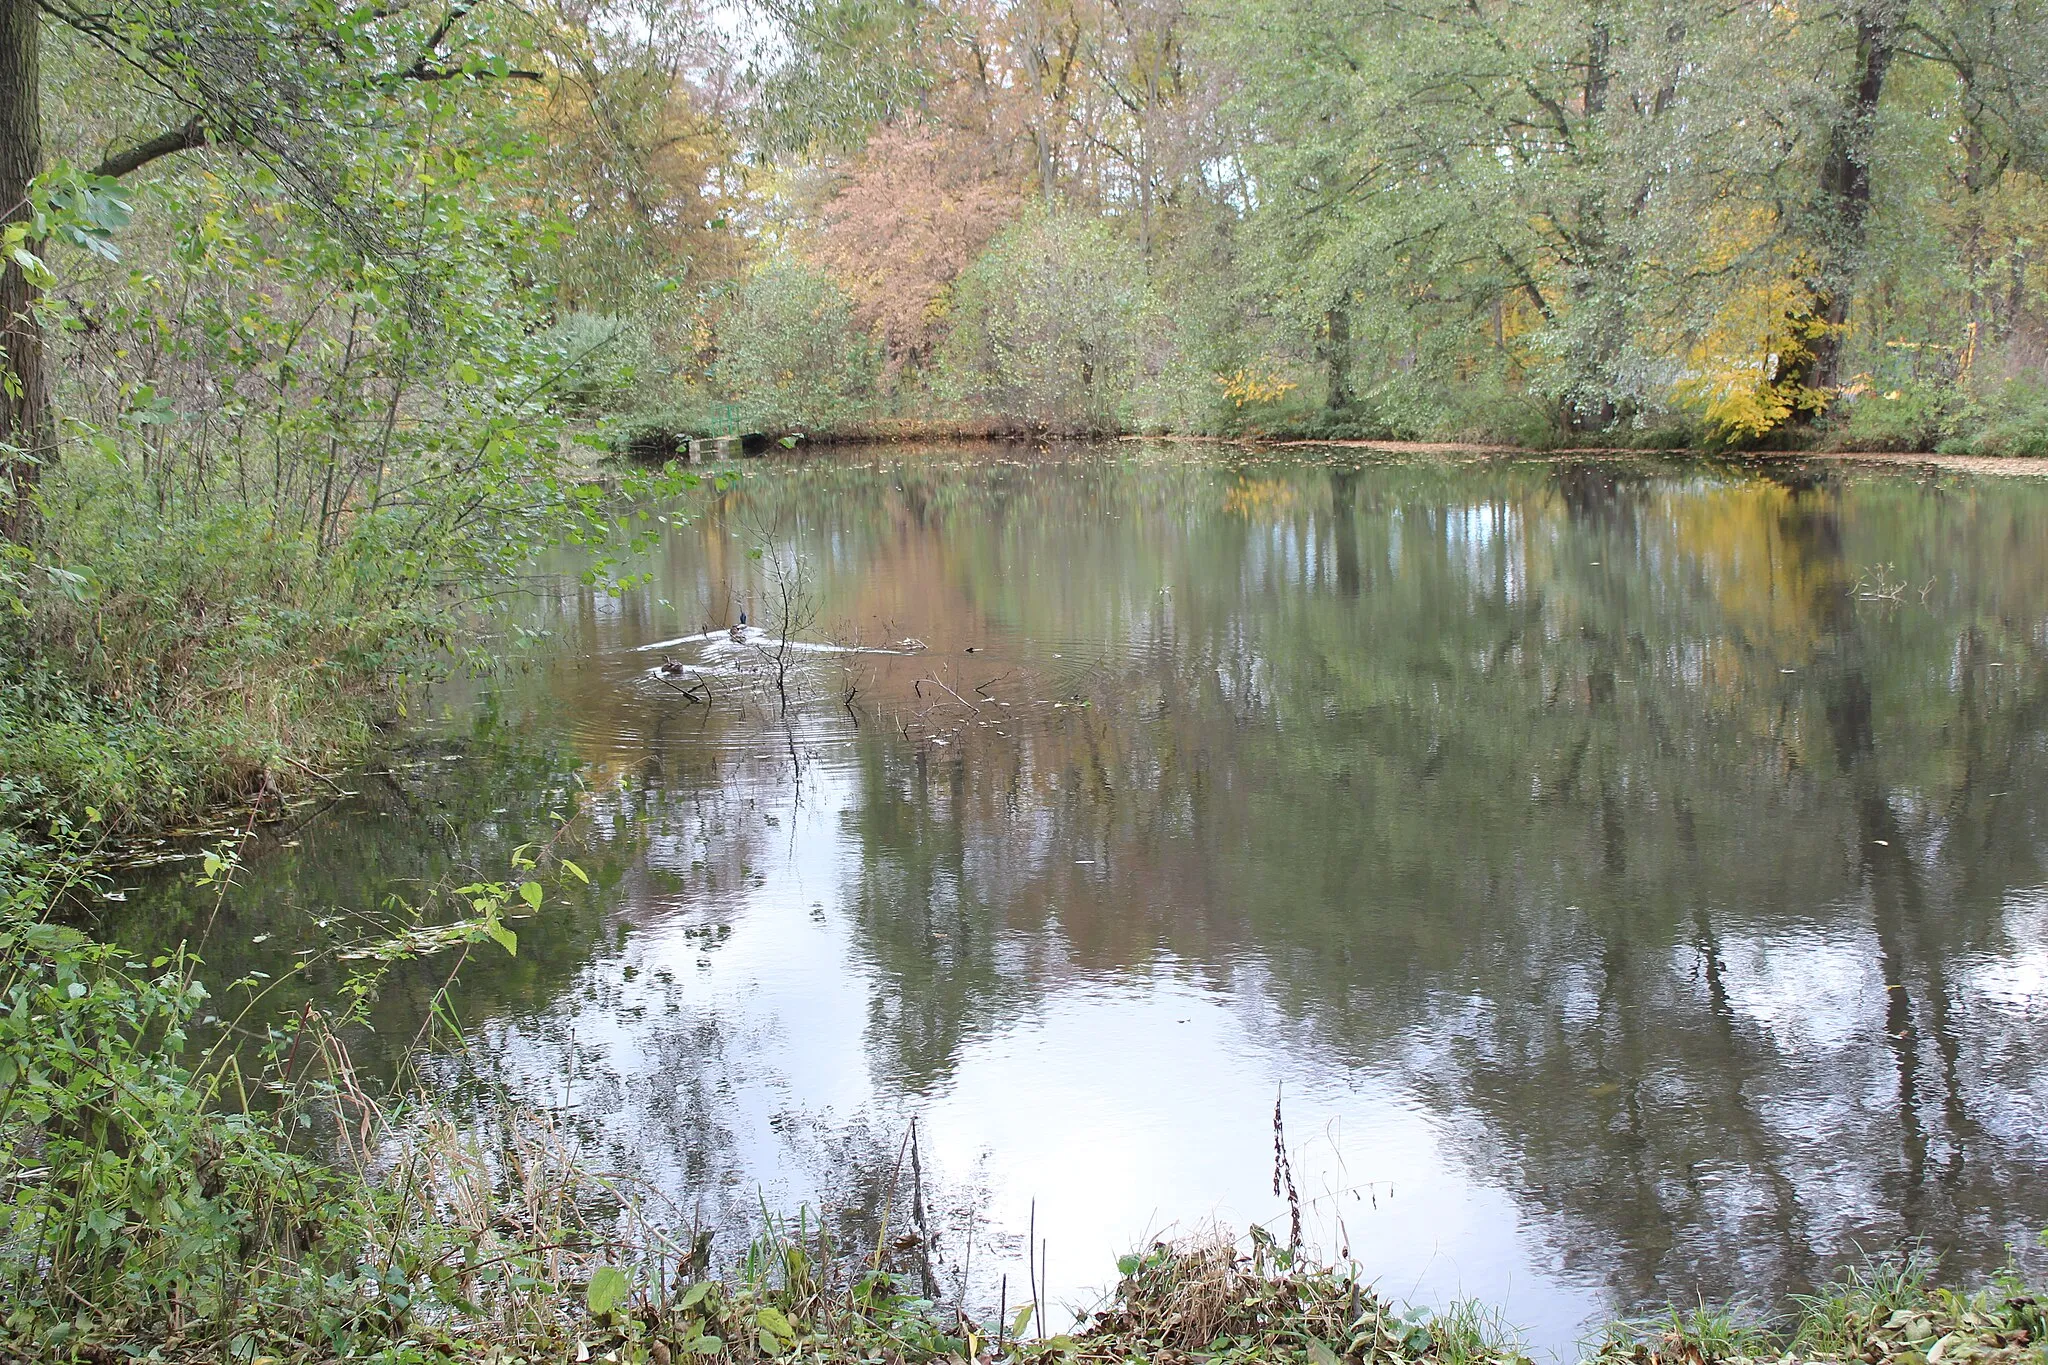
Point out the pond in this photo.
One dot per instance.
(1629, 878)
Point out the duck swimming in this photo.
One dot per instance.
(739, 632)
(669, 667)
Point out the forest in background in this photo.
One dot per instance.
(319, 317)
(1531, 223)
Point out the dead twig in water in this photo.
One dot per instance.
(688, 694)
(971, 706)
(339, 789)
(1031, 1269)
(889, 1199)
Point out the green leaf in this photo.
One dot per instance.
(1321, 1354)
(772, 1320)
(694, 1295)
(530, 892)
(1021, 1321)
(502, 936)
(609, 1288)
(578, 873)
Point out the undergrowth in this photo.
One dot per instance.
(163, 653)
(1887, 1311)
(152, 669)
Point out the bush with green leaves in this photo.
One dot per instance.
(789, 355)
(1047, 326)
(305, 419)
(605, 362)
(1910, 417)
(2013, 421)
(160, 1179)
(124, 1185)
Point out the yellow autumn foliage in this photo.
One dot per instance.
(1745, 373)
(1249, 497)
(1254, 384)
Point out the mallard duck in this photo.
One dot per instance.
(739, 632)
(669, 667)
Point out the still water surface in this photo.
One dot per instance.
(1632, 877)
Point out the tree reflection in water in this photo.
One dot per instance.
(1582, 812)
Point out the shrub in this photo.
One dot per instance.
(789, 353)
(160, 1199)
(2014, 421)
(603, 360)
(1907, 418)
(1047, 324)
(169, 661)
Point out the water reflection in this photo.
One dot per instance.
(1631, 876)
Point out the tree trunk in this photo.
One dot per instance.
(1337, 354)
(1599, 42)
(26, 424)
(1845, 185)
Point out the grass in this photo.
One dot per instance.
(157, 670)
(1886, 1311)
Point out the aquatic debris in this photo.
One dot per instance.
(722, 641)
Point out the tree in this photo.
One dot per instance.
(920, 204)
(26, 429)
(1048, 323)
(790, 354)
(1845, 178)
(638, 122)
(287, 85)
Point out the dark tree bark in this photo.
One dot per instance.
(1337, 353)
(1845, 183)
(1599, 42)
(25, 420)
(192, 133)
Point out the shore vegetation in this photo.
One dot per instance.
(320, 321)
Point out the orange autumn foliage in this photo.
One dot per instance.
(920, 204)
